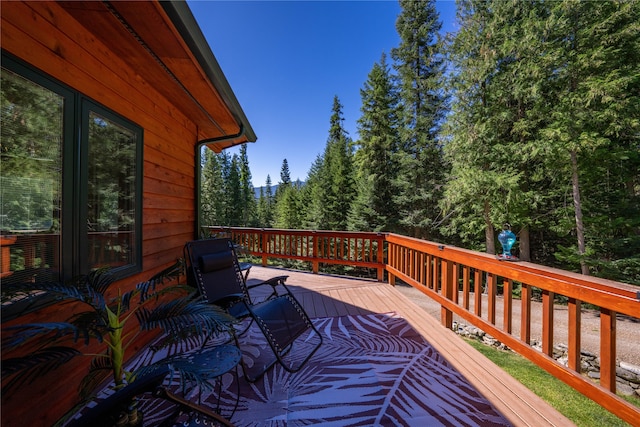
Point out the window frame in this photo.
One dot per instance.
(86, 107)
(73, 236)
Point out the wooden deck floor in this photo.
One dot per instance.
(328, 296)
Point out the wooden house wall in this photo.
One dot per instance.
(45, 36)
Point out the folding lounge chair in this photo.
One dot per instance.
(282, 320)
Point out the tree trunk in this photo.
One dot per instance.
(578, 210)
(489, 231)
(525, 244)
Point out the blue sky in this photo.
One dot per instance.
(286, 60)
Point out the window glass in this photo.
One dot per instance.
(111, 207)
(70, 186)
(30, 179)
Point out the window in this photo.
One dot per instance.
(70, 182)
(112, 207)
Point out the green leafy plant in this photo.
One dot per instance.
(162, 303)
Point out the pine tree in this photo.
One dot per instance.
(495, 120)
(336, 178)
(312, 198)
(287, 212)
(233, 193)
(592, 73)
(373, 208)
(419, 63)
(545, 95)
(285, 175)
(212, 195)
(247, 195)
(267, 217)
(261, 209)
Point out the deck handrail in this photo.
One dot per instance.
(434, 268)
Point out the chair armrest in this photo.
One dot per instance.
(274, 282)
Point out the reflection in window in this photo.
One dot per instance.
(111, 193)
(70, 185)
(30, 180)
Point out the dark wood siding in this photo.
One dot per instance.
(44, 35)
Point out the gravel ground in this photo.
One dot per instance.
(627, 331)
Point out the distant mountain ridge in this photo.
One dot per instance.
(256, 190)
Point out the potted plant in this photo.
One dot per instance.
(106, 311)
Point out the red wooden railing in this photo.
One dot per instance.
(451, 275)
(316, 247)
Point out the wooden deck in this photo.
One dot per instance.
(328, 296)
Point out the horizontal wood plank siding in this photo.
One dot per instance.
(44, 35)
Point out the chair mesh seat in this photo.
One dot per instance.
(214, 266)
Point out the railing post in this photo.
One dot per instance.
(447, 292)
(380, 258)
(265, 247)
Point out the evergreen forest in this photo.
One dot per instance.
(529, 115)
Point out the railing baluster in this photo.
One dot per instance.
(547, 322)
(465, 287)
(574, 326)
(608, 349)
(507, 287)
(447, 292)
(477, 289)
(491, 295)
(525, 313)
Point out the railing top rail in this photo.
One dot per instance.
(617, 296)
(354, 234)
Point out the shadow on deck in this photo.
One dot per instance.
(327, 296)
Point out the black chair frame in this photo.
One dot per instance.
(215, 269)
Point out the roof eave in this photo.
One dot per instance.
(186, 24)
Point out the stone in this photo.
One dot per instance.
(627, 374)
(584, 365)
(624, 389)
(629, 367)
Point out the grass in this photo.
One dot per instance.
(573, 405)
